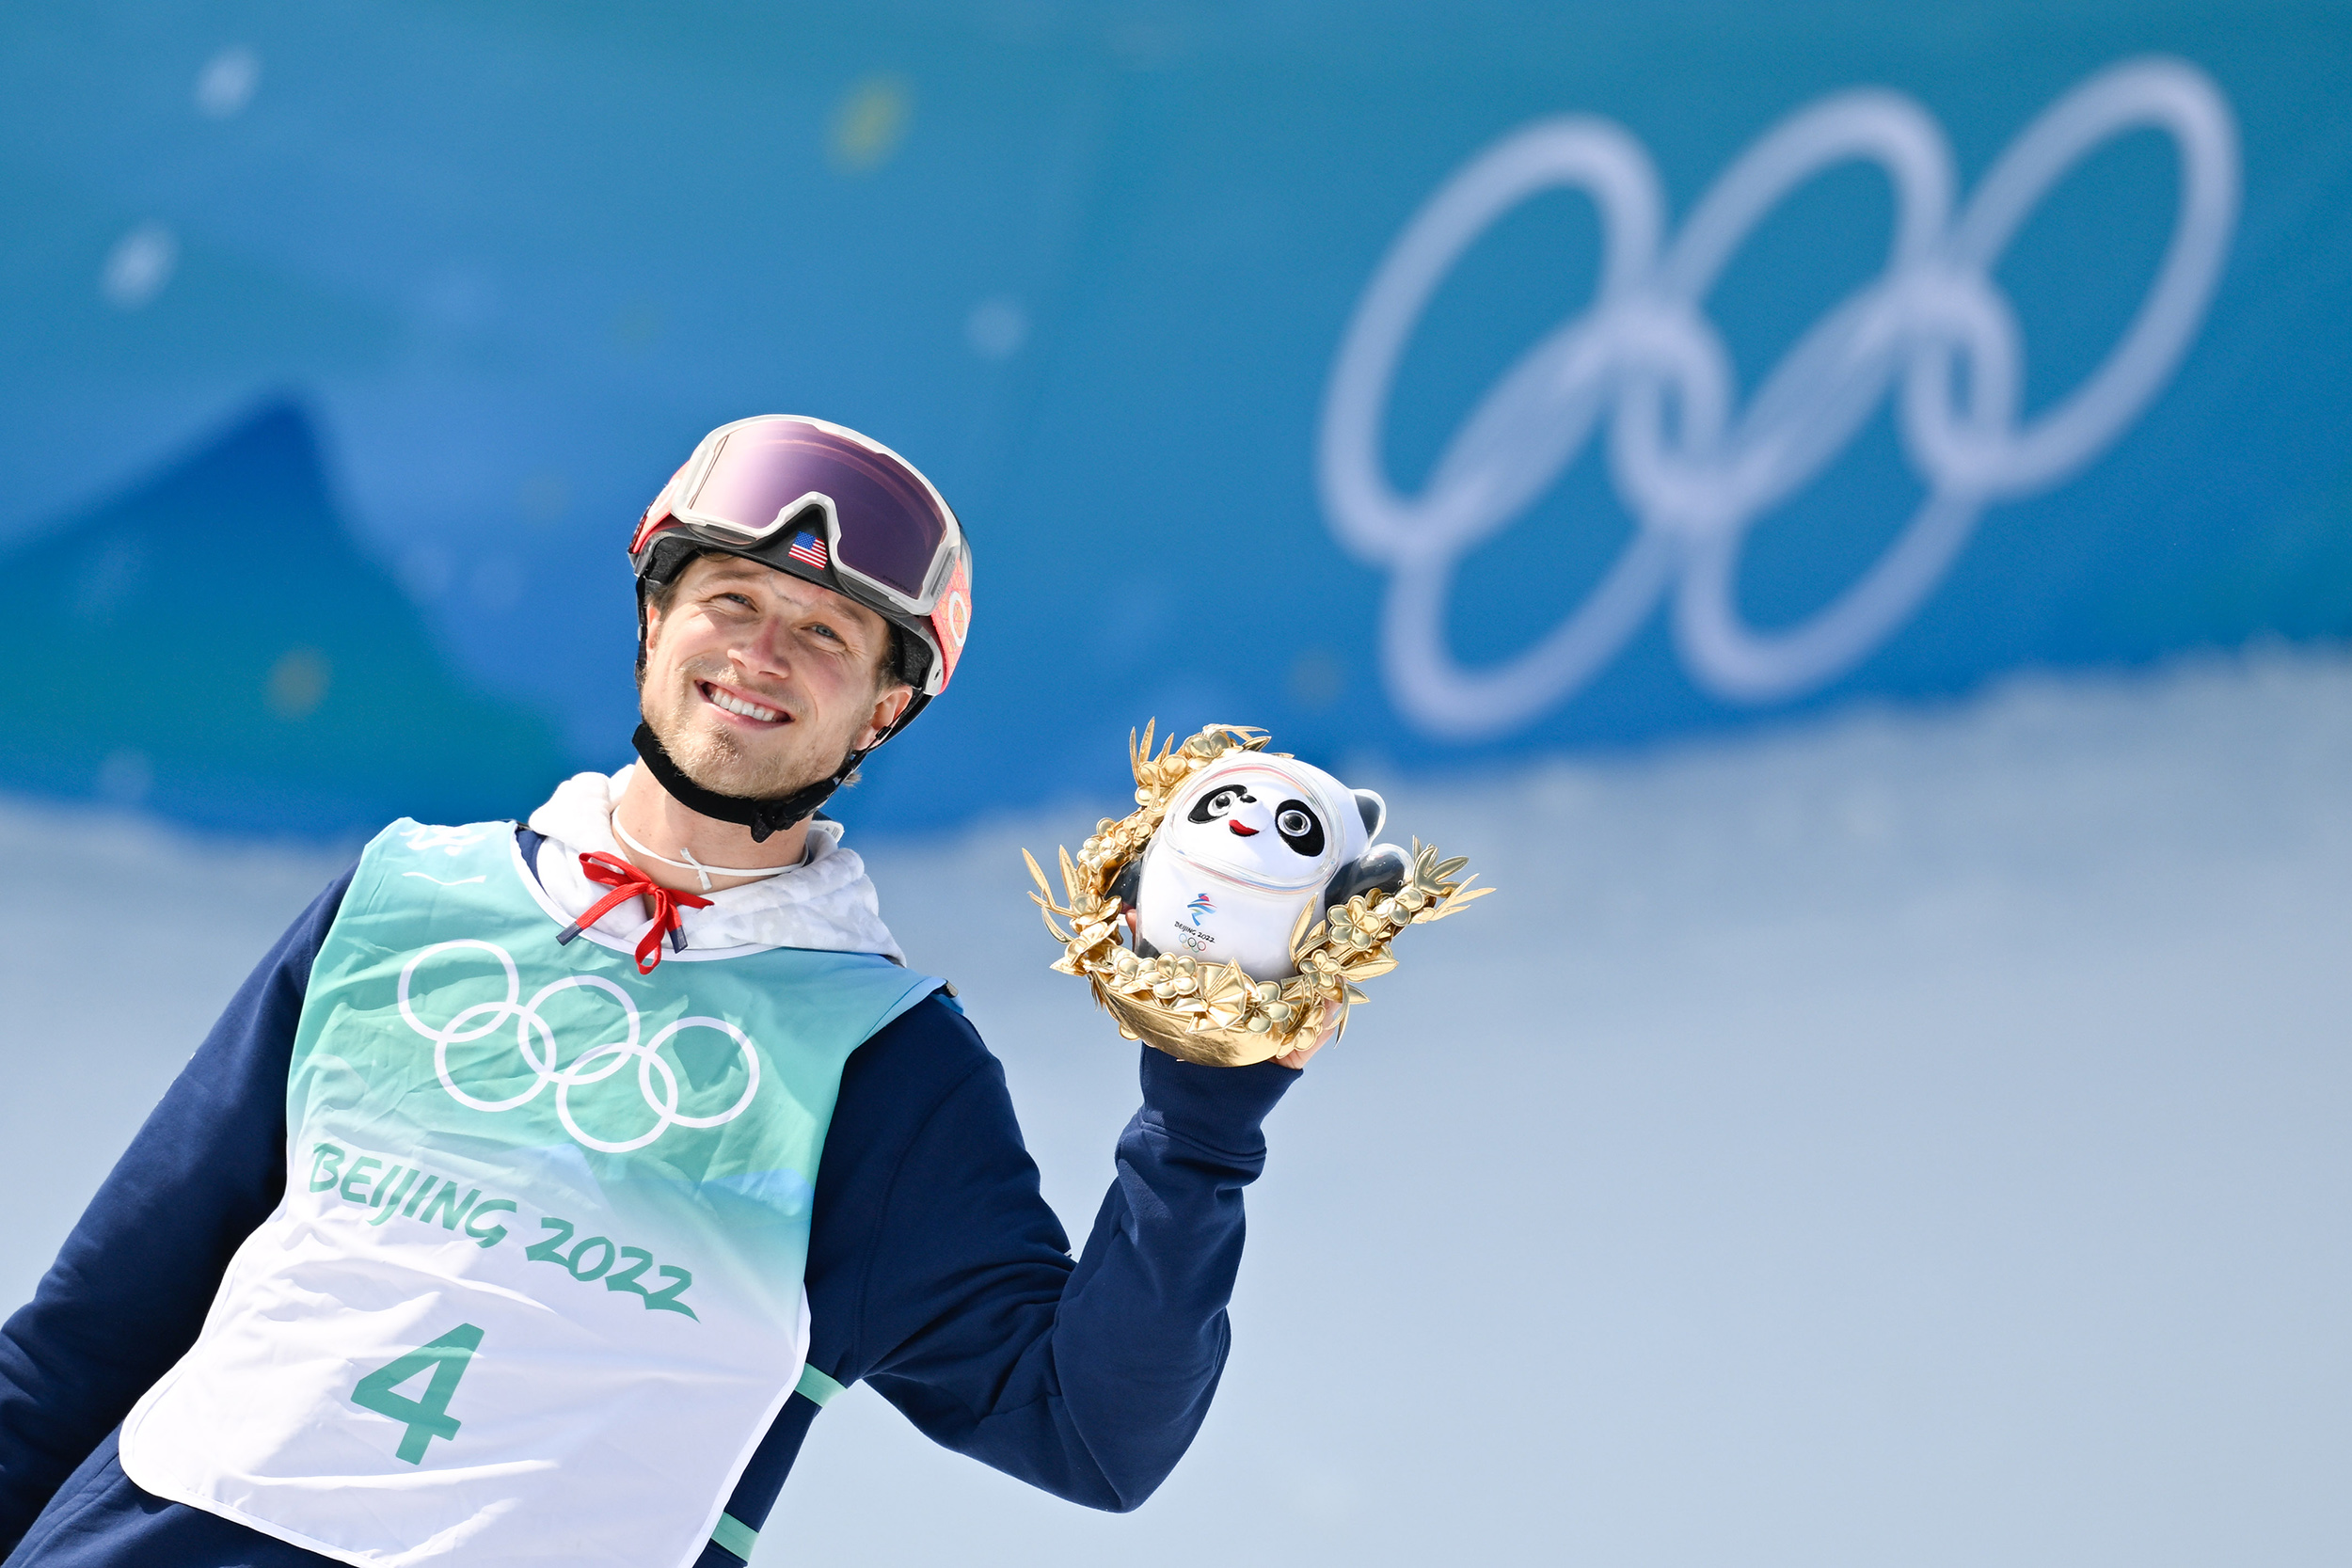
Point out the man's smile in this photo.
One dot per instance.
(740, 707)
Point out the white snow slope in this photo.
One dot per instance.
(1916, 1139)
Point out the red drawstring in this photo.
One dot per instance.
(627, 882)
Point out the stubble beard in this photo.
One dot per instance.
(714, 756)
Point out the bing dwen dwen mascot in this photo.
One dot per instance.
(1259, 900)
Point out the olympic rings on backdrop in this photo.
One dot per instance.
(546, 1061)
(1696, 470)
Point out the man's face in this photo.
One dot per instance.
(759, 683)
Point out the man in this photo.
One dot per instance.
(540, 1186)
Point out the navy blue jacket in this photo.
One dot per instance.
(936, 1272)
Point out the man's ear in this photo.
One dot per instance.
(886, 710)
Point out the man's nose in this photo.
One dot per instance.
(762, 654)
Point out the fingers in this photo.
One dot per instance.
(1305, 1054)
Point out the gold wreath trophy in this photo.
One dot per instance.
(1214, 1014)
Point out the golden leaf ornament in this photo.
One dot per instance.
(1233, 915)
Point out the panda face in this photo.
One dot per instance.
(1253, 825)
(1294, 819)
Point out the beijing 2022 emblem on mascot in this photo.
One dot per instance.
(1259, 900)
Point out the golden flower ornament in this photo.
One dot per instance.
(1213, 1012)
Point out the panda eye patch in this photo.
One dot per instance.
(1298, 827)
(1217, 803)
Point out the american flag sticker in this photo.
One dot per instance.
(807, 549)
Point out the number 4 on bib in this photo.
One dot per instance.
(428, 1418)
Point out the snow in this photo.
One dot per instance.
(1917, 1137)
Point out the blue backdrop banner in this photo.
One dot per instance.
(1436, 383)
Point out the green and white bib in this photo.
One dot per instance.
(533, 1294)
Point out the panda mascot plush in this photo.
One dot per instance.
(1251, 842)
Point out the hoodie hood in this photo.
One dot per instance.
(825, 902)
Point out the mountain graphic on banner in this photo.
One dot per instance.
(213, 646)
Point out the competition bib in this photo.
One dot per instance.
(533, 1294)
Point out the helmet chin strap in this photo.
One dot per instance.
(763, 817)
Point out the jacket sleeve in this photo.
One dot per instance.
(129, 1291)
(1088, 1378)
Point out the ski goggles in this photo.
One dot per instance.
(820, 502)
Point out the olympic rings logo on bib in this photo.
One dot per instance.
(450, 841)
(1693, 467)
(535, 1038)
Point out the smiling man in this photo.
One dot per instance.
(537, 1190)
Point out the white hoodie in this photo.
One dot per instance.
(824, 902)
